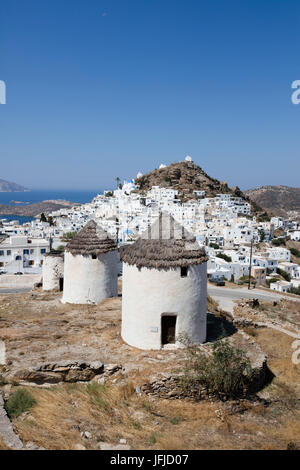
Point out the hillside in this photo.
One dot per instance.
(186, 177)
(277, 199)
(8, 187)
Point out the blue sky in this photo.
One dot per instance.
(100, 89)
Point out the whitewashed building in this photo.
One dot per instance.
(20, 254)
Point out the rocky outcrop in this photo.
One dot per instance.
(63, 371)
(168, 386)
(186, 177)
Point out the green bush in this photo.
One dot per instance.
(295, 252)
(225, 257)
(214, 245)
(285, 275)
(295, 290)
(225, 373)
(19, 402)
(278, 242)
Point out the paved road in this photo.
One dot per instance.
(5, 290)
(226, 296)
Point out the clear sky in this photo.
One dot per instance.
(107, 88)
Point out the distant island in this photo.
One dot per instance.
(8, 187)
(35, 209)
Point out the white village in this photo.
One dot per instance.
(223, 225)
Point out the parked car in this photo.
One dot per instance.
(18, 274)
(218, 282)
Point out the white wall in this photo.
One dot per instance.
(150, 293)
(89, 281)
(53, 270)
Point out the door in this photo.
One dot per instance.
(61, 284)
(168, 329)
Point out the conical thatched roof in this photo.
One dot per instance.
(91, 240)
(165, 244)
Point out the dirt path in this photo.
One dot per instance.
(279, 328)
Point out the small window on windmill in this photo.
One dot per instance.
(94, 256)
(183, 271)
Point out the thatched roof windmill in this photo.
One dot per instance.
(91, 266)
(164, 286)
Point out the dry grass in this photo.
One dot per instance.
(112, 412)
(3, 446)
(108, 412)
(278, 347)
(115, 411)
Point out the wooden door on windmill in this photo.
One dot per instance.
(168, 329)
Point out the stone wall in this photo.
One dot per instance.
(63, 371)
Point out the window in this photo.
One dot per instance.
(94, 256)
(1, 253)
(183, 271)
(43, 251)
(8, 253)
(25, 252)
(18, 258)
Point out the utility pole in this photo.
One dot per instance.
(250, 265)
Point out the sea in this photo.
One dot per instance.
(29, 197)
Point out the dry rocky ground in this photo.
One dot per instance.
(111, 409)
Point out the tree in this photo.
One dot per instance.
(68, 236)
(43, 217)
(118, 181)
(262, 235)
